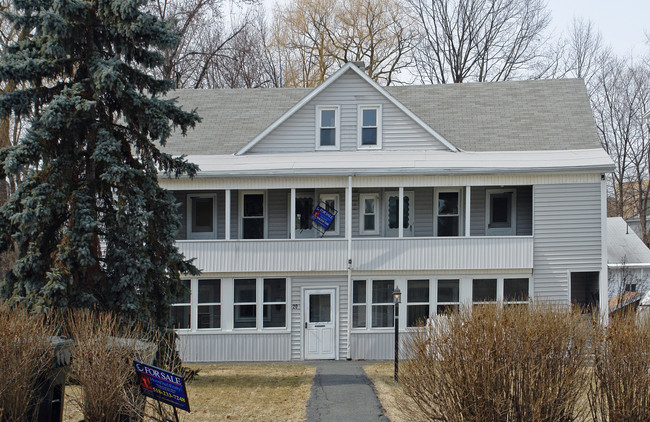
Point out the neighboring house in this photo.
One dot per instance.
(628, 262)
(455, 194)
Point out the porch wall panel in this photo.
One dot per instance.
(278, 220)
(567, 228)
(202, 347)
(181, 200)
(297, 315)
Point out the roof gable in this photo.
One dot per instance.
(348, 88)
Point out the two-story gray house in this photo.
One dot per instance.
(456, 194)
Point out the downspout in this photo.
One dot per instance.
(348, 235)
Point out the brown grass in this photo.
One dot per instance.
(244, 392)
(389, 393)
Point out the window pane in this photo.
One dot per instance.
(253, 205)
(484, 290)
(448, 203)
(418, 291)
(447, 291)
(253, 228)
(447, 309)
(447, 226)
(370, 117)
(202, 215)
(320, 308)
(515, 289)
(275, 290)
(209, 316)
(359, 316)
(180, 316)
(416, 315)
(500, 209)
(185, 293)
(209, 291)
(369, 206)
(245, 316)
(382, 315)
(359, 291)
(275, 315)
(328, 118)
(245, 290)
(382, 291)
(304, 209)
(369, 136)
(327, 137)
(369, 223)
(393, 212)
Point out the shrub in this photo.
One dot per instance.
(620, 390)
(26, 356)
(102, 365)
(499, 364)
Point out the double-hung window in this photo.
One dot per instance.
(254, 311)
(209, 303)
(202, 223)
(383, 307)
(515, 291)
(501, 212)
(359, 304)
(327, 129)
(484, 291)
(448, 213)
(417, 305)
(181, 312)
(245, 303)
(253, 215)
(275, 303)
(331, 202)
(369, 125)
(448, 296)
(369, 209)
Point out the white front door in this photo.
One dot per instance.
(392, 216)
(320, 323)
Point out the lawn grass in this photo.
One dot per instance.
(388, 391)
(241, 392)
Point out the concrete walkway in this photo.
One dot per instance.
(342, 392)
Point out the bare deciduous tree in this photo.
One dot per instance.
(478, 40)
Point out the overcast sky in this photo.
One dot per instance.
(621, 22)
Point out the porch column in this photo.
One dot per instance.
(468, 213)
(227, 215)
(400, 213)
(293, 213)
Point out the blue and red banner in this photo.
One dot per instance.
(322, 217)
(162, 385)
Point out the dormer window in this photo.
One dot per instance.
(369, 127)
(327, 132)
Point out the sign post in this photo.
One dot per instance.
(163, 386)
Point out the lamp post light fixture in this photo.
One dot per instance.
(397, 299)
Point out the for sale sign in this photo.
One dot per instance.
(162, 385)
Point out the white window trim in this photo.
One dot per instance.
(408, 303)
(190, 216)
(461, 209)
(438, 302)
(362, 214)
(512, 231)
(255, 303)
(196, 307)
(360, 126)
(337, 128)
(337, 220)
(241, 212)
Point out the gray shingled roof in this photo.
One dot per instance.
(499, 116)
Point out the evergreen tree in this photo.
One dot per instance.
(91, 226)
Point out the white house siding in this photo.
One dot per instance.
(477, 211)
(524, 210)
(234, 214)
(297, 315)
(297, 133)
(524, 206)
(567, 236)
(181, 200)
(372, 345)
(424, 209)
(278, 210)
(203, 347)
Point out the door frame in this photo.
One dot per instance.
(303, 317)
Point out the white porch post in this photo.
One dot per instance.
(227, 215)
(348, 235)
(468, 213)
(400, 213)
(293, 213)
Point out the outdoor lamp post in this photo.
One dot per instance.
(397, 298)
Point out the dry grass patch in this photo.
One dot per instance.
(388, 391)
(244, 392)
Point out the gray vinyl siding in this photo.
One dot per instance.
(221, 214)
(297, 285)
(277, 205)
(226, 347)
(298, 132)
(234, 214)
(567, 236)
(477, 211)
(423, 220)
(181, 200)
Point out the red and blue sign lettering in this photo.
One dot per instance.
(162, 385)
